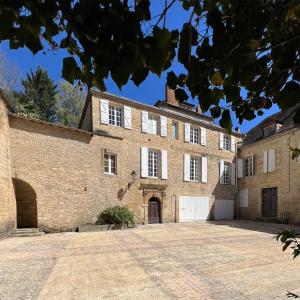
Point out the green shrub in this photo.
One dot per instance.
(117, 215)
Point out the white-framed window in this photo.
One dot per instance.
(194, 135)
(153, 157)
(226, 173)
(153, 124)
(115, 115)
(110, 163)
(227, 142)
(175, 130)
(194, 168)
(248, 166)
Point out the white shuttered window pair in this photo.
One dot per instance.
(191, 134)
(227, 142)
(154, 163)
(195, 168)
(115, 115)
(227, 173)
(154, 124)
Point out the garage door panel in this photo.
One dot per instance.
(193, 208)
(223, 209)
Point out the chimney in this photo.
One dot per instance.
(170, 97)
(198, 109)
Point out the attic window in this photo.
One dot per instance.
(269, 130)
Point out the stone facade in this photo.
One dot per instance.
(7, 200)
(285, 177)
(58, 172)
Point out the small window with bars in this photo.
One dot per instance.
(194, 135)
(110, 164)
(115, 115)
(153, 157)
(195, 169)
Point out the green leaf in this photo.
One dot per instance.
(289, 96)
(225, 121)
(215, 112)
(70, 69)
(216, 79)
(172, 80)
(139, 76)
(181, 95)
(297, 117)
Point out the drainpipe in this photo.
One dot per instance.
(236, 177)
(289, 154)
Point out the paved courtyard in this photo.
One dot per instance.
(227, 260)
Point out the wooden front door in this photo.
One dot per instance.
(269, 203)
(153, 211)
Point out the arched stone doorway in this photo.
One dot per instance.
(26, 204)
(154, 210)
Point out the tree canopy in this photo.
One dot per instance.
(226, 47)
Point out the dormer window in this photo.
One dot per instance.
(269, 130)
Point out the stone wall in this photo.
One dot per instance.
(61, 168)
(286, 177)
(7, 201)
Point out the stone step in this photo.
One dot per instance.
(26, 232)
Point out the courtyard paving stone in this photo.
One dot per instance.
(202, 260)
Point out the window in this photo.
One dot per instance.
(110, 161)
(227, 142)
(115, 115)
(226, 174)
(194, 169)
(175, 130)
(194, 135)
(248, 166)
(269, 130)
(153, 163)
(152, 124)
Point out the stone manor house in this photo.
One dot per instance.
(166, 163)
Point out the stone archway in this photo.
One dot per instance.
(26, 204)
(154, 210)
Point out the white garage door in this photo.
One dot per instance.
(223, 209)
(193, 208)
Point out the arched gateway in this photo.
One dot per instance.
(26, 204)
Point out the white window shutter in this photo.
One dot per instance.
(243, 198)
(187, 161)
(187, 131)
(271, 160)
(222, 171)
(203, 136)
(221, 140)
(104, 111)
(164, 164)
(233, 174)
(127, 117)
(240, 168)
(265, 163)
(163, 126)
(232, 143)
(144, 162)
(204, 169)
(144, 121)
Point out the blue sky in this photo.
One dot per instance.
(151, 90)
